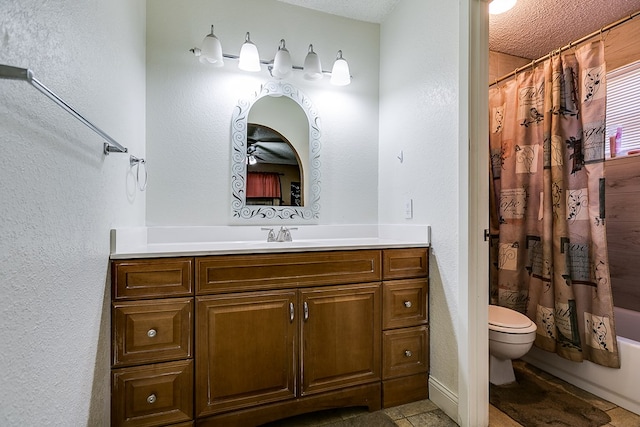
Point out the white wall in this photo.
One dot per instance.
(59, 196)
(189, 106)
(419, 116)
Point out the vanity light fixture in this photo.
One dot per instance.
(280, 67)
(340, 75)
(249, 58)
(500, 6)
(211, 51)
(312, 66)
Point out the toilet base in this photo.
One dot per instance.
(500, 371)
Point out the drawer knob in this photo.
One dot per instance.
(151, 399)
(407, 304)
(152, 333)
(407, 353)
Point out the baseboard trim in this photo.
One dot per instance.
(444, 398)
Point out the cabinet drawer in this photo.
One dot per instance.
(227, 273)
(406, 352)
(152, 278)
(404, 303)
(152, 395)
(404, 263)
(152, 331)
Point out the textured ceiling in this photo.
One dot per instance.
(531, 29)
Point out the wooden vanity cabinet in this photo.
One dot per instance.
(241, 340)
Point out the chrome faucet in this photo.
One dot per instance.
(284, 235)
(271, 237)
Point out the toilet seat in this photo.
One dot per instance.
(505, 320)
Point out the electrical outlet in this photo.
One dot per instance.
(408, 208)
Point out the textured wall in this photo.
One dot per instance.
(59, 196)
(419, 116)
(189, 106)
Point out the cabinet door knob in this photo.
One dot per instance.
(291, 312)
(306, 310)
(152, 333)
(151, 399)
(407, 353)
(407, 304)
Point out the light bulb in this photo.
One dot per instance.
(282, 62)
(312, 66)
(340, 75)
(249, 58)
(211, 51)
(500, 6)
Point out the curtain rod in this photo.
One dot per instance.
(14, 73)
(569, 46)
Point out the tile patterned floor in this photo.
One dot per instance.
(425, 413)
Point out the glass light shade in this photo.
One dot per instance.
(211, 50)
(282, 65)
(340, 75)
(312, 66)
(500, 6)
(249, 58)
(252, 160)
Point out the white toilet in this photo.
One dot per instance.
(511, 335)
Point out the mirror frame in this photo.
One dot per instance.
(309, 213)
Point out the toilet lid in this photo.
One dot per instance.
(507, 318)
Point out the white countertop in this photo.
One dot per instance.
(151, 242)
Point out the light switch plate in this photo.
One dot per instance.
(408, 208)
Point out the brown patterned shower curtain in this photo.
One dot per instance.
(548, 248)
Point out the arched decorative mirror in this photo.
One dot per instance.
(275, 157)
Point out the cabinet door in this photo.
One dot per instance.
(340, 337)
(245, 350)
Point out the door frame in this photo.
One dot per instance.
(473, 360)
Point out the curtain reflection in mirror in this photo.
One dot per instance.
(263, 188)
